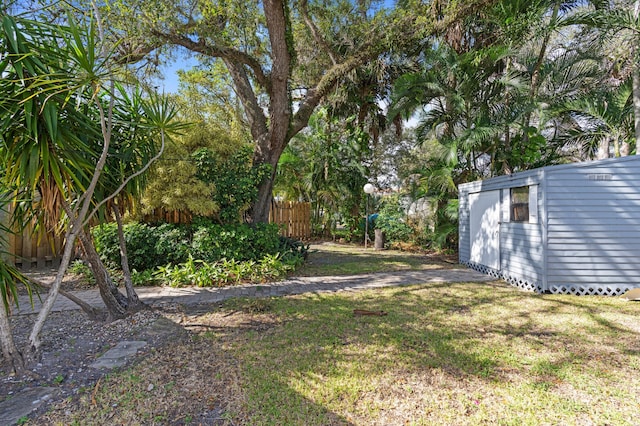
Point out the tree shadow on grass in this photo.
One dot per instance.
(451, 328)
(345, 263)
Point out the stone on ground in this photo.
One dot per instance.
(21, 405)
(119, 354)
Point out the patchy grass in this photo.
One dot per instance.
(462, 354)
(348, 259)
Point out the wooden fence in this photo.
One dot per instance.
(29, 250)
(293, 217)
(161, 215)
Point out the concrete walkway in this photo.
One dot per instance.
(157, 296)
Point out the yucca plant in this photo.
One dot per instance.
(60, 114)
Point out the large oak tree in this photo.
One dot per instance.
(283, 57)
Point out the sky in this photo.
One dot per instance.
(169, 84)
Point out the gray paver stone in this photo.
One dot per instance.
(22, 404)
(118, 355)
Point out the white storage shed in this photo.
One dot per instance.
(572, 228)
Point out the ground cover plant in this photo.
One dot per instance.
(464, 353)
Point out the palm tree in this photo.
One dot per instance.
(619, 21)
(600, 120)
(326, 165)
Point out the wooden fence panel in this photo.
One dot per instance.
(293, 217)
(28, 251)
(169, 216)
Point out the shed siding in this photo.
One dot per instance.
(464, 236)
(522, 252)
(593, 236)
(588, 232)
(521, 244)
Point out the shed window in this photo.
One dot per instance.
(520, 204)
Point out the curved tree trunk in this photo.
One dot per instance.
(45, 309)
(91, 312)
(115, 302)
(133, 300)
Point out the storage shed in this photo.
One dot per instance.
(572, 228)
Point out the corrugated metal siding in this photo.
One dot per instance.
(593, 214)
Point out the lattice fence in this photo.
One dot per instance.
(569, 288)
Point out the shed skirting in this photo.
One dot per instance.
(575, 289)
(514, 281)
(590, 290)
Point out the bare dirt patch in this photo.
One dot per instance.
(71, 343)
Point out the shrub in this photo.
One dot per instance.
(234, 178)
(205, 251)
(212, 242)
(147, 246)
(78, 267)
(172, 243)
(291, 248)
(391, 220)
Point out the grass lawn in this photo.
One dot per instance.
(349, 259)
(453, 354)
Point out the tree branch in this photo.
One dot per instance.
(315, 33)
(126, 181)
(88, 309)
(242, 85)
(236, 56)
(324, 86)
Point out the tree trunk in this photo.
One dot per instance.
(535, 76)
(134, 302)
(91, 312)
(271, 131)
(603, 148)
(10, 352)
(115, 302)
(259, 212)
(269, 149)
(45, 309)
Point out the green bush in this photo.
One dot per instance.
(205, 250)
(391, 220)
(293, 249)
(235, 179)
(212, 242)
(172, 244)
(78, 267)
(147, 246)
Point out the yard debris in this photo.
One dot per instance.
(359, 312)
(633, 294)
